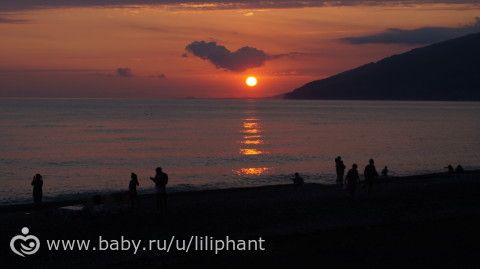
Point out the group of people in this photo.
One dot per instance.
(458, 170)
(352, 179)
(160, 180)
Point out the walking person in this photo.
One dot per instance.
(351, 180)
(37, 184)
(161, 181)
(132, 189)
(340, 169)
(370, 174)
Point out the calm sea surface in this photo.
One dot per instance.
(87, 146)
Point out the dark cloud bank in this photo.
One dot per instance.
(419, 36)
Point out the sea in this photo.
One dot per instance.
(90, 146)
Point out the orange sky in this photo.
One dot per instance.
(74, 52)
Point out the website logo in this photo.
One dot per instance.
(24, 244)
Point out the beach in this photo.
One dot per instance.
(416, 220)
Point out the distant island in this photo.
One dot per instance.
(448, 70)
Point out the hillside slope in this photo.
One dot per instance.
(448, 70)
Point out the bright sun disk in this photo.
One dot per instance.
(251, 81)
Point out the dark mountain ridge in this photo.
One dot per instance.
(448, 70)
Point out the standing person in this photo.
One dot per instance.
(450, 169)
(459, 170)
(37, 184)
(340, 168)
(297, 179)
(351, 180)
(385, 172)
(370, 174)
(161, 181)
(132, 189)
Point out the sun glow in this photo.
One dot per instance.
(251, 81)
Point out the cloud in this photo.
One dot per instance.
(124, 72)
(291, 55)
(159, 76)
(12, 5)
(240, 60)
(49, 70)
(419, 36)
(13, 21)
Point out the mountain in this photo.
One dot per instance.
(448, 70)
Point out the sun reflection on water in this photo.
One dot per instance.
(252, 131)
(252, 142)
(252, 136)
(250, 125)
(250, 152)
(255, 171)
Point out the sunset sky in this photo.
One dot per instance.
(143, 49)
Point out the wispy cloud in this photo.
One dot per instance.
(48, 70)
(419, 36)
(5, 20)
(11, 5)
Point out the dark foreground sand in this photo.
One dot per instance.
(422, 221)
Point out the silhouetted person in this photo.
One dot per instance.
(351, 180)
(37, 184)
(385, 171)
(132, 189)
(459, 170)
(450, 169)
(370, 174)
(297, 179)
(340, 168)
(161, 181)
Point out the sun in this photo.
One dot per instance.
(251, 81)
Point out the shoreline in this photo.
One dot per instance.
(86, 196)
